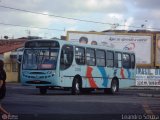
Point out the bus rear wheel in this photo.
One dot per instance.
(114, 86)
(76, 87)
(43, 91)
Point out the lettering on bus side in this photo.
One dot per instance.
(78, 69)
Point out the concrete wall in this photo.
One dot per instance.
(11, 68)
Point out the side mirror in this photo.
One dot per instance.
(19, 58)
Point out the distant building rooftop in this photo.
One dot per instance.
(10, 45)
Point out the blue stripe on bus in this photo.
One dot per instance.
(129, 74)
(115, 72)
(104, 75)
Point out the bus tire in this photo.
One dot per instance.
(43, 91)
(76, 87)
(114, 86)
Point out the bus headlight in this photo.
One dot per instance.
(25, 72)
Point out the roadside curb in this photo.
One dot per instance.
(143, 88)
(13, 83)
(148, 95)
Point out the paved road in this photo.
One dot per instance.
(25, 102)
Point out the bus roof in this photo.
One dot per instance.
(62, 42)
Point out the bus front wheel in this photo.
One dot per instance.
(43, 91)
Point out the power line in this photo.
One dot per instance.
(82, 20)
(23, 10)
(29, 26)
(52, 15)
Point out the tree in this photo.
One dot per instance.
(5, 37)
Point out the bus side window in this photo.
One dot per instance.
(110, 58)
(101, 58)
(90, 57)
(132, 61)
(118, 60)
(80, 55)
(126, 61)
(66, 57)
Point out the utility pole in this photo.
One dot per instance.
(28, 32)
(125, 24)
(115, 23)
(146, 24)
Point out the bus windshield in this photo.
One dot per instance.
(40, 59)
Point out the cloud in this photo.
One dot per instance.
(129, 22)
(25, 19)
(105, 6)
(146, 4)
(71, 29)
(68, 6)
(130, 13)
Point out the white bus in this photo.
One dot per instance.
(51, 64)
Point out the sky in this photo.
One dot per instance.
(122, 13)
